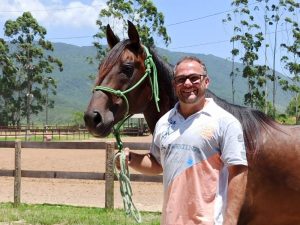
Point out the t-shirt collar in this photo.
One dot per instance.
(207, 109)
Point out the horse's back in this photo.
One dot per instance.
(281, 150)
(273, 194)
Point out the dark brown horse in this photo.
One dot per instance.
(273, 189)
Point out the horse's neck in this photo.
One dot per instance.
(166, 94)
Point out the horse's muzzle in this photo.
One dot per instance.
(94, 123)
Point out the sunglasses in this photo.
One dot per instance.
(193, 78)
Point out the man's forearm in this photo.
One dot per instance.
(144, 163)
(236, 193)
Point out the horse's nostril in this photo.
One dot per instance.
(97, 117)
(92, 118)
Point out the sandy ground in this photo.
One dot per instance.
(146, 196)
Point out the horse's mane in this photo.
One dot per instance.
(253, 121)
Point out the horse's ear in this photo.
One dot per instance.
(133, 34)
(112, 39)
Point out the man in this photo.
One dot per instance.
(200, 149)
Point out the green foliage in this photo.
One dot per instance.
(248, 33)
(143, 13)
(31, 67)
(291, 60)
(293, 108)
(7, 84)
(270, 110)
(77, 119)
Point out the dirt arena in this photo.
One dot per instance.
(146, 196)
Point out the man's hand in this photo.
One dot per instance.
(127, 159)
(143, 163)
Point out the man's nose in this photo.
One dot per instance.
(187, 82)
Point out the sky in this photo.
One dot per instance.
(194, 26)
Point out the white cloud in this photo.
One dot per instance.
(54, 13)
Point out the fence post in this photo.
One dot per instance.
(109, 175)
(17, 181)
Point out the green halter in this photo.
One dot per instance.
(123, 174)
(150, 69)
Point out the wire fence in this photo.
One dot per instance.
(61, 132)
(47, 133)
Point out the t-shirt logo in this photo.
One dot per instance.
(207, 132)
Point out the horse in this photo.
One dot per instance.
(273, 150)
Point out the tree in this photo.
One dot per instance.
(31, 56)
(252, 40)
(142, 13)
(234, 52)
(77, 119)
(274, 15)
(265, 70)
(276, 18)
(291, 59)
(7, 84)
(293, 107)
(248, 34)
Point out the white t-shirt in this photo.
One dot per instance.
(194, 153)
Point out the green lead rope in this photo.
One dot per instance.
(123, 174)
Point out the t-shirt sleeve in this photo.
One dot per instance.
(233, 151)
(154, 148)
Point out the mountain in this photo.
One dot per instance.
(219, 70)
(74, 87)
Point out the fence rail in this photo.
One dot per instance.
(101, 146)
(108, 175)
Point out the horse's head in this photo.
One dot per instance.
(115, 94)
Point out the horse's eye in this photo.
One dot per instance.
(127, 69)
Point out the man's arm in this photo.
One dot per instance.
(144, 163)
(237, 181)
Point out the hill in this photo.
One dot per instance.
(75, 87)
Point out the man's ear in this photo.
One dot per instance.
(133, 34)
(207, 82)
(112, 39)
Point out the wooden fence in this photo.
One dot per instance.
(108, 175)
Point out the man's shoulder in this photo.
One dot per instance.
(220, 115)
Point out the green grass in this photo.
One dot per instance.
(288, 120)
(39, 138)
(69, 215)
